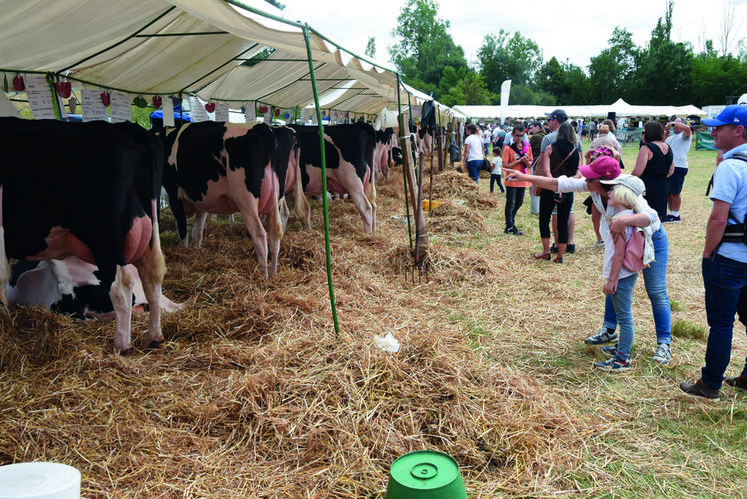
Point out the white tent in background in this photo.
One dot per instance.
(620, 108)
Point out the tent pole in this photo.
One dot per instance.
(327, 247)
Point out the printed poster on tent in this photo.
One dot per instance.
(197, 110)
(221, 112)
(120, 107)
(93, 107)
(40, 97)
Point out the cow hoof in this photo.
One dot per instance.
(154, 344)
(123, 352)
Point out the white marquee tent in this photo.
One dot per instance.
(620, 108)
(191, 47)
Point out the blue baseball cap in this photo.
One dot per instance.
(731, 115)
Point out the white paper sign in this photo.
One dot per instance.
(306, 114)
(167, 107)
(221, 112)
(40, 96)
(120, 107)
(251, 112)
(93, 106)
(417, 111)
(197, 110)
(63, 109)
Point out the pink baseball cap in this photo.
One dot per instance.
(604, 166)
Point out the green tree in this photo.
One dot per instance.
(371, 47)
(715, 77)
(425, 46)
(463, 86)
(504, 57)
(665, 70)
(566, 83)
(612, 73)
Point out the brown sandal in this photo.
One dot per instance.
(542, 256)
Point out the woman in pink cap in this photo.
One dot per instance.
(654, 276)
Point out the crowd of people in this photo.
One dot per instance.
(628, 212)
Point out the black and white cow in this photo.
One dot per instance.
(349, 155)
(386, 141)
(222, 168)
(88, 190)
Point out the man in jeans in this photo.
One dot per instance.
(725, 255)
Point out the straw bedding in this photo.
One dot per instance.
(253, 394)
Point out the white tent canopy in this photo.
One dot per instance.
(188, 47)
(620, 108)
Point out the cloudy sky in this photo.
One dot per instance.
(573, 30)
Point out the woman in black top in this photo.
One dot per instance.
(561, 158)
(654, 165)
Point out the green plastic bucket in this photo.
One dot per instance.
(425, 474)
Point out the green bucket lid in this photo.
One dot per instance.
(425, 474)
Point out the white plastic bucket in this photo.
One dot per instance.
(39, 480)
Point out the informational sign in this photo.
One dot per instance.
(197, 110)
(40, 96)
(121, 108)
(93, 107)
(168, 112)
(221, 112)
(251, 112)
(306, 114)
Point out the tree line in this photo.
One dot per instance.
(662, 72)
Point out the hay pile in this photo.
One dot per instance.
(253, 394)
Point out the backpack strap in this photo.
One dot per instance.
(740, 156)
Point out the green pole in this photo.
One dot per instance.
(324, 179)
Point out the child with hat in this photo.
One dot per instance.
(626, 195)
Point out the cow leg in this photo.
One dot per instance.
(152, 267)
(301, 204)
(4, 265)
(276, 230)
(120, 293)
(284, 213)
(198, 228)
(259, 236)
(370, 192)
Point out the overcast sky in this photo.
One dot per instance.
(573, 30)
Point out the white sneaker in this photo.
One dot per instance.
(598, 244)
(663, 353)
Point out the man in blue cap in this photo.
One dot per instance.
(725, 254)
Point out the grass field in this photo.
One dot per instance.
(253, 394)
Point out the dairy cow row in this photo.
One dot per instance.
(94, 211)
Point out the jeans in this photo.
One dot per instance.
(514, 200)
(473, 168)
(496, 178)
(724, 280)
(547, 203)
(655, 279)
(622, 301)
